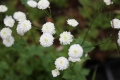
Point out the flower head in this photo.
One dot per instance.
(108, 2)
(5, 33)
(3, 8)
(61, 63)
(19, 16)
(73, 59)
(46, 40)
(48, 27)
(115, 23)
(20, 31)
(72, 22)
(75, 51)
(25, 25)
(32, 3)
(9, 21)
(9, 41)
(55, 73)
(43, 4)
(65, 38)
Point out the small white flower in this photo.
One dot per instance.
(48, 27)
(115, 23)
(9, 41)
(3, 8)
(32, 3)
(61, 63)
(25, 25)
(20, 31)
(9, 21)
(5, 33)
(75, 51)
(72, 22)
(65, 38)
(46, 40)
(118, 41)
(108, 2)
(55, 73)
(19, 16)
(73, 59)
(43, 4)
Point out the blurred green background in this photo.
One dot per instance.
(28, 60)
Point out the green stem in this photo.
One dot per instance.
(115, 34)
(94, 74)
(91, 24)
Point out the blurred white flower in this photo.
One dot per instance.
(48, 27)
(46, 40)
(65, 38)
(3, 8)
(61, 63)
(19, 16)
(20, 31)
(55, 73)
(25, 25)
(9, 21)
(108, 2)
(5, 33)
(75, 51)
(9, 41)
(73, 59)
(32, 3)
(43, 4)
(115, 23)
(72, 22)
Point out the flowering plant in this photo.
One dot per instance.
(38, 45)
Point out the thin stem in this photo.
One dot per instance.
(77, 74)
(113, 27)
(102, 42)
(91, 25)
(117, 45)
(46, 12)
(94, 74)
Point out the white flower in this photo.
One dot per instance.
(3, 8)
(115, 23)
(75, 51)
(24, 26)
(55, 73)
(108, 2)
(65, 38)
(9, 21)
(43, 4)
(61, 63)
(9, 41)
(5, 33)
(72, 22)
(73, 59)
(46, 40)
(32, 3)
(48, 27)
(118, 41)
(20, 31)
(19, 16)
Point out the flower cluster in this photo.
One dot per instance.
(47, 38)
(22, 27)
(42, 4)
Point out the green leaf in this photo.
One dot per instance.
(4, 65)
